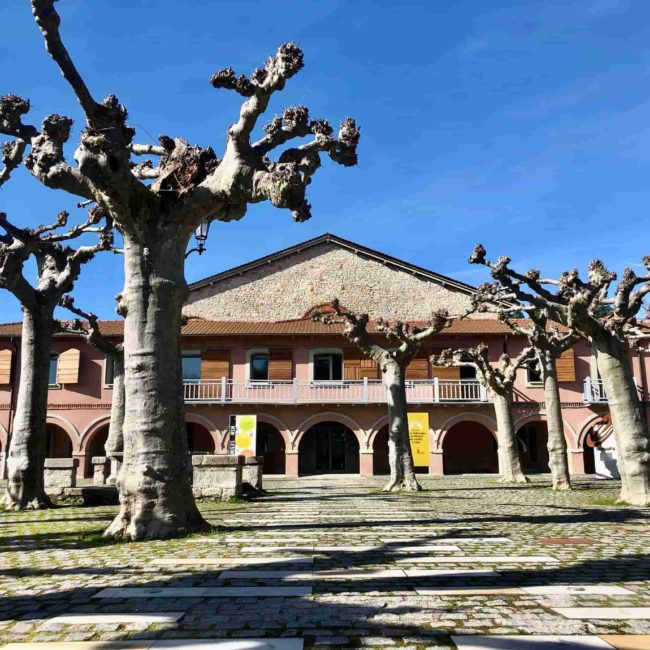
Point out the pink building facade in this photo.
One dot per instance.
(320, 406)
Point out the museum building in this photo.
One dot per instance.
(251, 347)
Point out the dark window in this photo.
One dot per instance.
(328, 367)
(467, 372)
(259, 367)
(54, 367)
(534, 373)
(191, 367)
(109, 373)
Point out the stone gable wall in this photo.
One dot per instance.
(288, 288)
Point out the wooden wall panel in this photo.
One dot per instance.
(68, 367)
(215, 364)
(281, 364)
(5, 366)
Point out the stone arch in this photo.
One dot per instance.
(328, 416)
(279, 424)
(208, 424)
(89, 432)
(329, 446)
(569, 432)
(471, 416)
(68, 427)
(375, 429)
(585, 427)
(59, 442)
(272, 447)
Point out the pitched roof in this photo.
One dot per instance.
(201, 327)
(328, 238)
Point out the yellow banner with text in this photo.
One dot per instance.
(419, 437)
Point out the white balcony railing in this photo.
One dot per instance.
(320, 392)
(594, 391)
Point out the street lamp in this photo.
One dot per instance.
(201, 235)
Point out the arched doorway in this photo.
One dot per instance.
(532, 439)
(270, 444)
(58, 443)
(380, 464)
(329, 448)
(470, 448)
(199, 440)
(96, 447)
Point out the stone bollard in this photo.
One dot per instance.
(101, 467)
(252, 473)
(217, 477)
(60, 473)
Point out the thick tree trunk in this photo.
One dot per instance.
(402, 473)
(558, 461)
(630, 429)
(27, 448)
(115, 441)
(509, 463)
(155, 491)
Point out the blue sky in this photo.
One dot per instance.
(521, 124)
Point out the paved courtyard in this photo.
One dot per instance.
(333, 562)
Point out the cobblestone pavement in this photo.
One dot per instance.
(349, 566)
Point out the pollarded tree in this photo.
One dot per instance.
(609, 323)
(392, 361)
(189, 185)
(549, 343)
(499, 382)
(90, 329)
(58, 267)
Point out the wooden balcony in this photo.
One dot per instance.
(228, 391)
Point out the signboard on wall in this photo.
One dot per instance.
(243, 435)
(419, 438)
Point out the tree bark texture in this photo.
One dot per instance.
(558, 461)
(155, 491)
(27, 447)
(509, 462)
(630, 431)
(402, 472)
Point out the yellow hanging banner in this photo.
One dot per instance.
(419, 437)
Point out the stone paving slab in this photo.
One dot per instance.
(533, 642)
(229, 561)
(470, 591)
(450, 573)
(480, 559)
(125, 617)
(585, 613)
(578, 590)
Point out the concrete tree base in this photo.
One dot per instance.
(217, 477)
(60, 473)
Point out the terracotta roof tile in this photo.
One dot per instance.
(201, 327)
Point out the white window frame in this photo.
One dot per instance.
(191, 353)
(55, 385)
(322, 382)
(249, 355)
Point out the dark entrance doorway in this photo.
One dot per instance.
(470, 448)
(329, 448)
(270, 444)
(532, 440)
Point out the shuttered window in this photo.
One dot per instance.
(281, 365)
(418, 368)
(565, 366)
(215, 364)
(5, 366)
(357, 366)
(68, 367)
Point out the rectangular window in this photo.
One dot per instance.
(328, 367)
(533, 373)
(467, 372)
(109, 371)
(259, 370)
(192, 366)
(54, 369)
